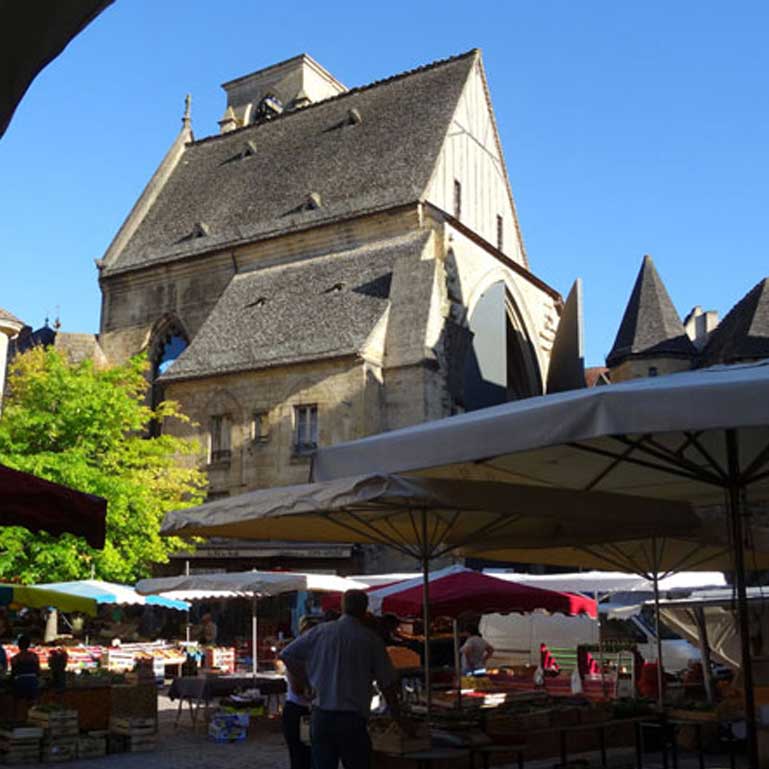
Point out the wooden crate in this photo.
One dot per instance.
(57, 750)
(91, 747)
(387, 737)
(133, 726)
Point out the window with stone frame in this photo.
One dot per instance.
(260, 427)
(305, 428)
(219, 439)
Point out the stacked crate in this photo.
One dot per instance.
(20, 744)
(133, 734)
(92, 744)
(60, 732)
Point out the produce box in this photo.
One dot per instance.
(20, 743)
(387, 737)
(228, 727)
(59, 749)
(51, 714)
(141, 743)
(133, 726)
(91, 747)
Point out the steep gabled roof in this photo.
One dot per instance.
(744, 333)
(308, 310)
(258, 181)
(651, 325)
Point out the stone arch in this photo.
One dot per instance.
(497, 316)
(165, 332)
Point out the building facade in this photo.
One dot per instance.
(333, 263)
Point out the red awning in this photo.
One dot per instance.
(39, 505)
(457, 590)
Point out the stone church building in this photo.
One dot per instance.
(332, 263)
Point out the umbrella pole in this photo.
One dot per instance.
(426, 613)
(254, 637)
(457, 663)
(735, 519)
(660, 666)
(702, 632)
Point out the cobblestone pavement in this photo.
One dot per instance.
(184, 749)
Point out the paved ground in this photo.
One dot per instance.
(183, 749)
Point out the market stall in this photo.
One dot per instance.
(253, 584)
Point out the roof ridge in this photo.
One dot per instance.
(352, 91)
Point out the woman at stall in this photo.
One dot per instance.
(476, 650)
(25, 671)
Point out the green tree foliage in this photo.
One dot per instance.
(86, 427)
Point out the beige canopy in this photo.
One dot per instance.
(427, 517)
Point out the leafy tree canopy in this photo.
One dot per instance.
(85, 427)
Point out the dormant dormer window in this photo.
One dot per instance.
(457, 199)
(305, 428)
(219, 439)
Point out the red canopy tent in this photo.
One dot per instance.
(39, 505)
(457, 590)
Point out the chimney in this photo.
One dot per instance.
(699, 324)
(292, 84)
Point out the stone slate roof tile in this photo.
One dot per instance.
(5, 315)
(315, 308)
(744, 333)
(256, 181)
(651, 325)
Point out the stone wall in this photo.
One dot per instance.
(637, 368)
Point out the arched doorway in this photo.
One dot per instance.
(500, 364)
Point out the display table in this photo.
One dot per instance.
(200, 690)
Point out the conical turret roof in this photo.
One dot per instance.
(651, 326)
(744, 333)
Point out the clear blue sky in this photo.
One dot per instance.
(628, 128)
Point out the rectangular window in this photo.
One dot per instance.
(457, 199)
(260, 427)
(500, 233)
(219, 439)
(305, 428)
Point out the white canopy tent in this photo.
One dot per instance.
(251, 584)
(700, 436)
(604, 583)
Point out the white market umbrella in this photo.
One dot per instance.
(253, 584)
(700, 436)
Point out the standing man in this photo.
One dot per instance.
(338, 662)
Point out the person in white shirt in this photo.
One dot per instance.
(337, 662)
(475, 651)
(297, 705)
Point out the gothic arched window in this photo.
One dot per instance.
(171, 349)
(500, 364)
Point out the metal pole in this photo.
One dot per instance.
(660, 669)
(254, 637)
(426, 612)
(457, 662)
(735, 518)
(702, 632)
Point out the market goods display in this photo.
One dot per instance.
(220, 658)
